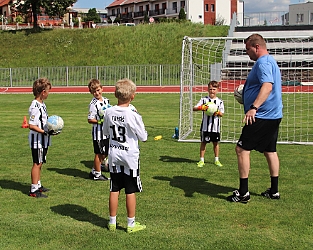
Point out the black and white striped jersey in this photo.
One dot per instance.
(126, 128)
(211, 123)
(38, 116)
(94, 108)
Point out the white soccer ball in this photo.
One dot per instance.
(55, 123)
(212, 108)
(238, 93)
(103, 109)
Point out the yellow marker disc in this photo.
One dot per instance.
(159, 137)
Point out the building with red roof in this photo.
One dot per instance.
(5, 11)
(199, 11)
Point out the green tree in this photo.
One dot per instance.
(92, 15)
(19, 19)
(146, 18)
(56, 8)
(182, 14)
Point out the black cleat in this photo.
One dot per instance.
(37, 194)
(99, 178)
(43, 189)
(270, 195)
(236, 197)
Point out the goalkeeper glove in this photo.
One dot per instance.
(217, 113)
(100, 122)
(52, 132)
(203, 107)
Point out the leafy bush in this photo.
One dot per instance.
(182, 14)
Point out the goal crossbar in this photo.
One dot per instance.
(224, 59)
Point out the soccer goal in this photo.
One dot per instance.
(225, 60)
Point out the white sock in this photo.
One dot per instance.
(39, 184)
(34, 187)
(202, 159)
(97, 174)
(112, 219)
(216, 158)
(130, 222)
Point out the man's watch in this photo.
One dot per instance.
(253, 107)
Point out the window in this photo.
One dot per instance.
(206, 7)
(126, 10)
(113, 12)
(174, 7)
(311, 17)
(212, 8)
(140, 8)
(147, 7)
(118, 11)
(182, 4)
(299, 18)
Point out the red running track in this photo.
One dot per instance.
(83, 89)
(225, 88)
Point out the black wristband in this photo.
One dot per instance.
(253, 107)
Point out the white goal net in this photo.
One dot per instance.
(225, 60)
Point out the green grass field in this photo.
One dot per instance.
(183, 207)
(117, 45)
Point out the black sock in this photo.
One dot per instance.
(243, 186)
(274, 184)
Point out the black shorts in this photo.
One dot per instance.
(101, 147)
(210, 137)
(261, 135)
(120, 180)
(39, 155)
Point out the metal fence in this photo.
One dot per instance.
(142, 75)
(269, 18)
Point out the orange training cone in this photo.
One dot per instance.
(25, 124)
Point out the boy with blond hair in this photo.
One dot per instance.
(125, 127)
(210, 129)
(39, 137)
(96, 115)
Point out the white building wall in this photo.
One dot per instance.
(304, 9)
(195, 11)
(222, 11)
(240, 12)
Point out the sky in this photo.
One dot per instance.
(250, 6)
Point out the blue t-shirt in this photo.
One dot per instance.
(264, 70)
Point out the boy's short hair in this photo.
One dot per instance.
(93, 85)
(214, 84)
(40, 85)
(124, 89)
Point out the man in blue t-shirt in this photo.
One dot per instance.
(262, 100)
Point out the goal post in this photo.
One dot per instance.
(224, 59)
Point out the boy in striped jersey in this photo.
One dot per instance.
(125, 127)
(39, 139)
(96, 114)
(210, 129)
